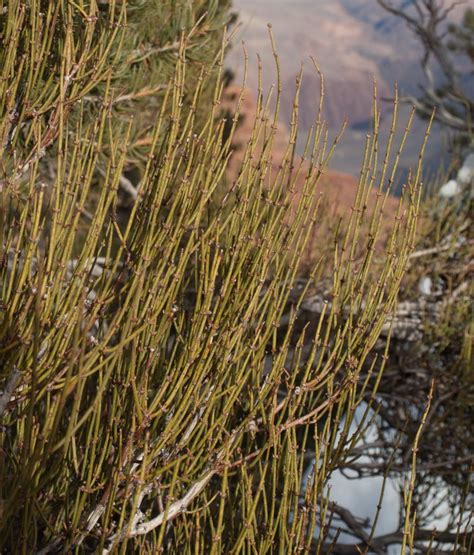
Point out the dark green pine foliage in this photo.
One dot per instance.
(61, 53)
(461, 36)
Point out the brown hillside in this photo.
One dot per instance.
(337, 190)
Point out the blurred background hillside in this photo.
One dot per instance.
(353, 41)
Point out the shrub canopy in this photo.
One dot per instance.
(152, 398)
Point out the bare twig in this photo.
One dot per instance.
(394, 538)
(10, 386)
(426, 19)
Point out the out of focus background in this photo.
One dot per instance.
(360, 47)
(355, 43)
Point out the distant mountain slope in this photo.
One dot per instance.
(336, 190)
(327, 31)
(354, 41)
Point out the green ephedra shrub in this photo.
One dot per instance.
(150, 399)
